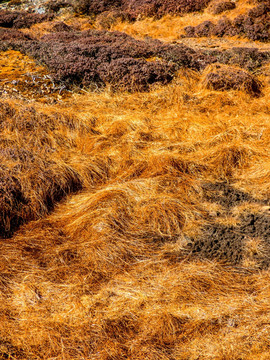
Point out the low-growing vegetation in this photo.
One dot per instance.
(134, 180)
(21, 19)
(254, 25)
(145, 8)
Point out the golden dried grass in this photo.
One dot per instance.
(170, 28)
(108, 275)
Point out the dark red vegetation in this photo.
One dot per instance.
(96, 7)
(255, 25)
(159, 8)
(135, 8)
(244, 57)
(219, 7)
(223, 77)
(56, 5)
(102, 57)
(97, 58)
(21, 19)
(109, 18)
(33, 174)
(135, 74)
(12, 34)
(60, 26)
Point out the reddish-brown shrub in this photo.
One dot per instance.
(219, 7)
(224, 27)
(133, 74)
(204, 29)
(21, 19)
(103, 57)
(109, 18)
(255, 25)
(56, 5)
(7, 18)
(12, 34)
(158, 8)
(224, 77)
(96, 6)
(135, 8)
(61, 27)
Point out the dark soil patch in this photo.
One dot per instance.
(219, 243)
(9, 351)
(224, 194)
(256, 225)
(11, 202)
(229, 243)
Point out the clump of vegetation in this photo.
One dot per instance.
(95, 7)
(248, 58)
(158, 8)
(56, 5)
(60, 26)
(109, 18)
(94, 57)
(218, 7)
(143, 8)
(21, 19)
(222, 77)
(254, 25)
(33, 175)
(101, 57)
(11, 35)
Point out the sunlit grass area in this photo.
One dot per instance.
(135, 224)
